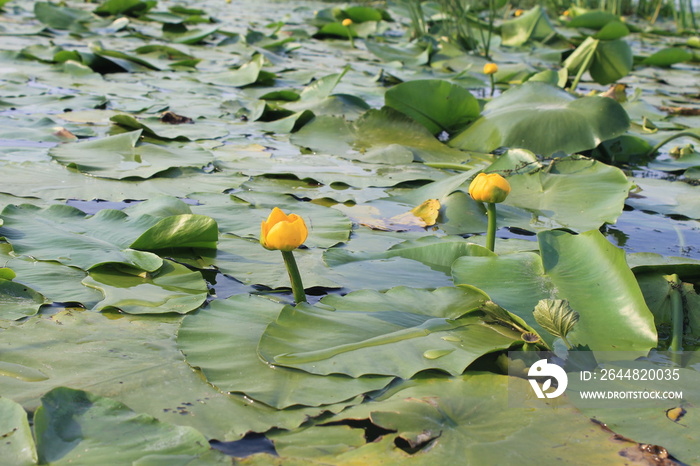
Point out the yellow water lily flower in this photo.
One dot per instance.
(490, 68)
(518, 12)
(346, 22)
(489, 187)
(283, 232)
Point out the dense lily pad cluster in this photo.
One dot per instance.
(143, 144)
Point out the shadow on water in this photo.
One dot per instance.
(247, 446)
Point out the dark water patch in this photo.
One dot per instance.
(247, 446)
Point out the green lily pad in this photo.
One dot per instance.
(67, 235)
(331, 171)
(653, 421)
(438, 253)
(246, 74)
(438, 105)
(57, 282)
(234, 326)
(612, 60)
(400, 332)
(55, 181)
(410, 54)
(18, 300)
(612, 30)
(374, 129)
(191, 36)
(126, 7)
(543, 119)
(668, 56)
(572, 192)
(533, 25)
(666, 197)
(60, 17)
(172, 288)
(575, 193)
(133, 359)
(120, 157)
(72, 425)
(584, 269)
(17, 435)
(154, 127)
(593, 20)
(465, 420)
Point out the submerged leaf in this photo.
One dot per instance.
(556, 316)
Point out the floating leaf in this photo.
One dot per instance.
(438, 105)
(668, 56)
(133, 359)
(466, 419)
(172, 288)
(593, 20)
(126, 7)
(18, 443)
(375, 128)
(72, 425)
(234, 326)
(60, 17)
(121, 157)
(584, 269)
(544, 119)
(428, 211)
(366, 332)
(67, 235)
(534, 25)
(18, 300)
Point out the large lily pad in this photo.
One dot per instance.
(14, 429)
(133, 359)
(57, 282)
(171, 288)
(586, 270)
(531, 25)
(65, 234)
(437, 105)
(73, 425)
(57, 182)
(120, 157)
(576, 193)
(544, 119)
(465, 420)
(18, 300)
(375, 129)
(400, 332)
(233, 327)
(666, 197)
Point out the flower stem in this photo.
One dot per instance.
(493, 84)
(350, 37)
(491, 230)
(676, 314)
(656, 148)
(294, 276)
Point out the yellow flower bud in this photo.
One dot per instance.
(518, 12)
(490, 187)
(347, 22)
(283, 232)
(490, 68)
